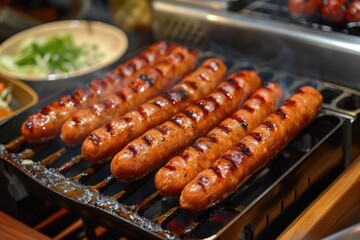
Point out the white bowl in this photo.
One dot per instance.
(111, 41)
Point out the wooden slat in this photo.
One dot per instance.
(335, 209)
(12, 229)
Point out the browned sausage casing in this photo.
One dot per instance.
(104, 142)
(146, 84)
(181, 169)
(46, 123)
(253, 152)
(152, 149)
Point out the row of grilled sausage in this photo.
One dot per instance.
(334, 12)
(215, 132)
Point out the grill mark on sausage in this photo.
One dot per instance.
(108, 103)
(121, 95)
(76, 120)
(230, 159)
(243, 148)
(191, 114)
(46, 110)
(260, 98)
(270, 125)
(198, 146)
(148, 139)
(204, 77)
(281, 113)
(177, 121)
(142, 112)
(224, 129)
(211, 138)
(164, 129)
(212, 100)
(146, 78)
(158, 103)
(200, 184)
(240, 120)
(127, 119)
(95, 139)
(204, 180)
(133, 150)
(191, 84)
(176, 96)
(256, 135)
(216, 170)
(248, 108)
(234, 83)
(202, 106)
(170, 167)
(225, 91)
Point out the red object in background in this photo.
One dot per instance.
(304, 8)
(334, 11)
(353, 11)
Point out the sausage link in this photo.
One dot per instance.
(46, 123)
(181, 169)
(253, 152)
(153, 148)
(104, 142)
(147, 83)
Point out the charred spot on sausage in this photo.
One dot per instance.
(200, 147)
(216, 170)
(146, 78)
(170, 167)
(95, 138)
(29, 125)
(260, 98)
(256, 135)
(211, 138)
(176, 95)
(225, 91)
(204, 180)
(249, 108)
(191, 84)
(224, 129)
(243, 148)
(148, 139)
(190, 114)
(230, 159)
(270, 125)
(142, 112)
(240, 120)
(281, 113)
(164, 129)
(121, 95)
(132, 149)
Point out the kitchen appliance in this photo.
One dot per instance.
(291, 54)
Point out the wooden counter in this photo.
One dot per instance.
(338, 207)
(12, 229)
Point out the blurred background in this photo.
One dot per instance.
(133, 16)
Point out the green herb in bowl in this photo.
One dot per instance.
(57, 54)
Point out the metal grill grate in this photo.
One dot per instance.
(136, 208)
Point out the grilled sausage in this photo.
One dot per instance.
(181, 169)
(303, 8)
(253, 152)
(353, 11)
(147, 83)
(153, 148)
(104, 142)
(46, 123)
(334, 11)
